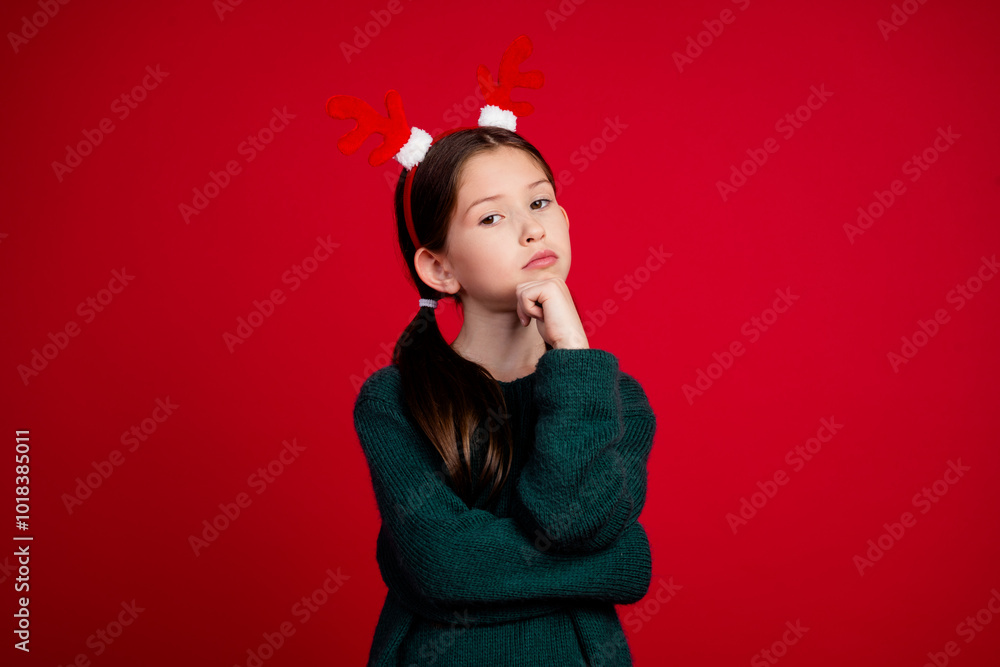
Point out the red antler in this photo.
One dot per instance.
(394, 129)
(510, 77)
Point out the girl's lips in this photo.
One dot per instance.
(541, 261)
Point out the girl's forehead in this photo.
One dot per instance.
(500, 165)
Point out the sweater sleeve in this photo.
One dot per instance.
(585, 481)
(447, 556)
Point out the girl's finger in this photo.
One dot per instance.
(529, 305)
(529, 302)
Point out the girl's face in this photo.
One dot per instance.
(505, 212)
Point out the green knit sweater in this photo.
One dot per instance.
(534, 580)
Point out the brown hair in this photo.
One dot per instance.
(449, 395)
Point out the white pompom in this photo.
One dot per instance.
(415, 148)
(495, 116)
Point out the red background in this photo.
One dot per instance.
(654, 185)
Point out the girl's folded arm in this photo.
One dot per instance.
(454, 556)
(585, 481)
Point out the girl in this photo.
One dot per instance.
(509, 467)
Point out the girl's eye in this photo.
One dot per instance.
(535, 205)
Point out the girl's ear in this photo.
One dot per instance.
(565, 215)
(434, 272)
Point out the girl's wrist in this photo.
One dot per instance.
(573, 344)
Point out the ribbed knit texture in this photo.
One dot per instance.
(535, 580)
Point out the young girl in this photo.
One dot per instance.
(509, 467)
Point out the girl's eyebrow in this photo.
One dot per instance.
(492, 197)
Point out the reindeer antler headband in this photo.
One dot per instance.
(409, 144)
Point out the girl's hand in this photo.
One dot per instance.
(550, 303)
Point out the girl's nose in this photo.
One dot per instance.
(531, 229)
